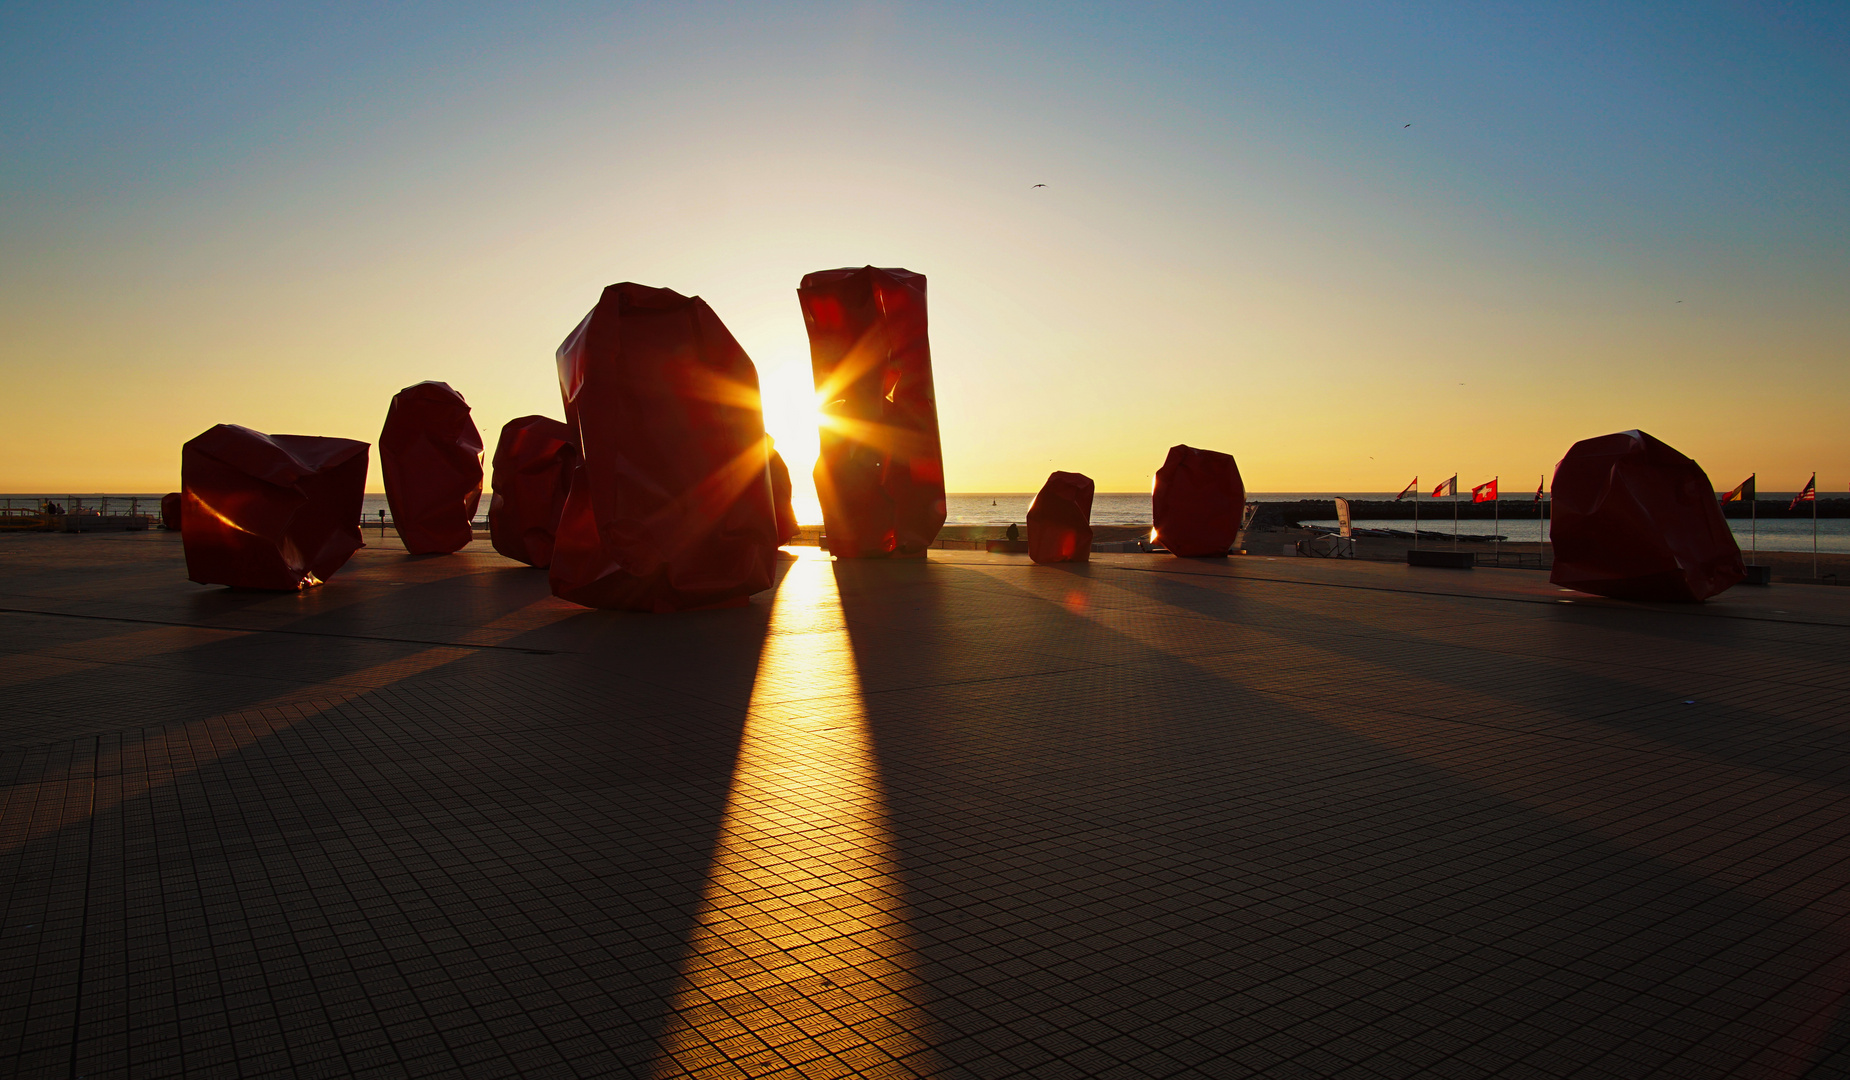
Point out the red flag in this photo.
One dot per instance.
(1810, 494)
(1409, 490)
(1448, 487)
(1539, 484)
(1484, 492)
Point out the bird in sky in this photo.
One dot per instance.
(1405, 126)
(1031, 187)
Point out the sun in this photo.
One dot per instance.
(792, 417)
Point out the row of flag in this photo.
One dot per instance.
(1487, 491)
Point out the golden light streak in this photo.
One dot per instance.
(800, 958)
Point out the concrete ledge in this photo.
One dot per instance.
(1451, 560)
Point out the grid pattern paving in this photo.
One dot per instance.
(959, 817)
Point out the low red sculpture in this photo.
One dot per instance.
(431, 455)
(533, 473)
(1060, 520)
(170, 511)
(1198, 501)
(269, 511)
(1635, 520)
(782, 491)
(670, 505)
(880, 476)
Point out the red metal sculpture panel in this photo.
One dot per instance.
(880, 476)
(670, 505)
(1636, 520)
(782, 498)
(1060, 520)
(170, 511)
(1198, 501)
(533, 473)
(431, 455)
(269, 511)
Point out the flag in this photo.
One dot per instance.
(1539, 484)
(1410, 489)
(1743, 492)
(1484, 492)
(1810, 494)
(1448, 487)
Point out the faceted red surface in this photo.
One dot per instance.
(1198, 501)
(533, 473)
(1636, 520)
(170, 511)
(269, 511)
(431, 455)
(1060, 520)
(880, 476)
(670, 505)
(781, 498)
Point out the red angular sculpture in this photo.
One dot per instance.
(1060, 520)
(431, 455)
(533, 473)
(782, 491)
(1635, 520)
(1198, 501)
(670, 505)
(170, 511)
(880, 476)
(269, 511)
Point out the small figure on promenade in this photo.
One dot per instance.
(1014, 534)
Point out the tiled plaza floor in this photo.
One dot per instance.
(964, 817)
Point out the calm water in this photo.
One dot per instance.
(1133, 508)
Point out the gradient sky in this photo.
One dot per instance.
(1602, 217)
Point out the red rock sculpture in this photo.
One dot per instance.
(782, 492)
(1635, 520)
(533, 473)
(170, 511)
(1060, 520)
(670, 505)
(431, 455)
(269, 511)
(1198, 501)
(880, 476)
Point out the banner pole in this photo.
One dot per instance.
(1814, 525)
(1455, 511)
(1416, 512)
(1496, 510)
(1753, 523)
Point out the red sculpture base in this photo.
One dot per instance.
(1060, 520)
(1636, 520)
(269, 511)
(1198, 502)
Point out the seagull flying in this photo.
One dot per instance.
(1405, 126)
(1031, 187)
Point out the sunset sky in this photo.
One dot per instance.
(1601, 217)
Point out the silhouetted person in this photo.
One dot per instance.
(1014, 533)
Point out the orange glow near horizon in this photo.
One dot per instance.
(800, 952)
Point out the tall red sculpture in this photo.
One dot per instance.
(782, 494)
(1198, 501)
(1635, 520)
(670, 505)
(431, 455)
(533, 473)
(880, 476)
(1060, 520)
(170, 511)
(269, 511)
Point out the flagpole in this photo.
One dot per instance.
(1416, 512)
(1753, 522)
(1455, 511)
(1496, 510)
(1814, 524)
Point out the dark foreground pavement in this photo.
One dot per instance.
(964, 817)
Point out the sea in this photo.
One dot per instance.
(1133, 508)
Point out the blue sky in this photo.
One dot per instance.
(279, 215)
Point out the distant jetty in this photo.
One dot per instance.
(1291, 513)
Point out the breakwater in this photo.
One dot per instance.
(1435, 510)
